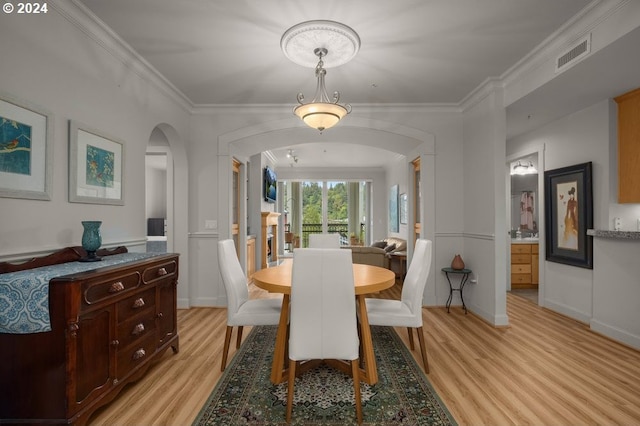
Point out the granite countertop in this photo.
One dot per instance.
(619, 235)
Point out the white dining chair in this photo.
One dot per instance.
(240, 310)
(407, 312)
(322, 320)
(324, 240)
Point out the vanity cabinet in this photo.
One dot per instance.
(107, 326)
(628, 147)
(524, 265)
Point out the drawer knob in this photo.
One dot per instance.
(138, 303)
(116, 287)
(138, 329)
(115, 342)
(140, 353)
(160, 315)
(73, 329)
(162, 272)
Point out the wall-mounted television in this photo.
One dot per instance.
(270, 185)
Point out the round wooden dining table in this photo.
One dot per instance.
(368, 279)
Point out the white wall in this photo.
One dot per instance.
(484, 206)
(58, 63)
(607, 297)
(69, 74)
(156, 192)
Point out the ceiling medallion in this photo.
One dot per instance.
(317, 39)
(299, 42)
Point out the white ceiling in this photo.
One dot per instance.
(413, 51)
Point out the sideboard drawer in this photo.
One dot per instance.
(135, 328)
(133, 356)
(136, 304)
(96, 291)
(159, 271)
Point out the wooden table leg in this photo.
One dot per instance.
(278, 370)
(370, 369)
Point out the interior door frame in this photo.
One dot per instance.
(537, 150)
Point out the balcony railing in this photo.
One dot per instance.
(332, 228)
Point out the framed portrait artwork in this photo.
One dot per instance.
(26, 140)
(568, 214)
(96, 167)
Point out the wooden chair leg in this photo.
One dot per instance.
(410, 331)
(360, 347)
(423, 349)
(290, 389)
(225, 350)
(239, 337)
(355, 372)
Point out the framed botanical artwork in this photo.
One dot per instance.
(26, 140)
(569, 214)
(393, 209)
(403, 208)
(96, 167)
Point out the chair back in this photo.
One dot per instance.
(233, 277)
(416, 278)
(323, 307)
(324, 241)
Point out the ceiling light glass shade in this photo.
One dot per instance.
(523, 169)
(321, 113)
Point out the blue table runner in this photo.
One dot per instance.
(24, 295)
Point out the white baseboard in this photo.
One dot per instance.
(615, 334)
(567, 311)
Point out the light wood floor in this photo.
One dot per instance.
(544, 369)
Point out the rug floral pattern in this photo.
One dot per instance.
(323, 396)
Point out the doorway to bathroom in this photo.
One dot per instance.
(525, 217)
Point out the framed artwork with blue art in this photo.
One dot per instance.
(393, 209)
(96, 164)
(25, 150)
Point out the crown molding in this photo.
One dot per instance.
(87, 22)
(357, 108)
(592, 15)
(489, 86)
(583, 23)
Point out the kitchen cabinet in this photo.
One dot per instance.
(628, 147)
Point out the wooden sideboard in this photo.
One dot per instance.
(107, 326)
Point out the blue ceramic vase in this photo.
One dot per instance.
(91, 239)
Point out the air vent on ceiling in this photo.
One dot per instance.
(573, 54)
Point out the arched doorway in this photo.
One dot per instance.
(411, 142)
(165, 141)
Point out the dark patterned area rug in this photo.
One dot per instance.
(323, 396)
